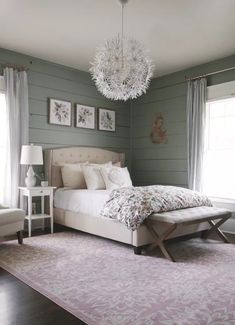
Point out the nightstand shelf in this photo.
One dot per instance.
(40, 191)
(38, 216)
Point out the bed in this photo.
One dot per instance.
(90, 221)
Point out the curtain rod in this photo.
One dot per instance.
(16, 66)
(209, 74)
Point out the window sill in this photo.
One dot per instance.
(222, 200)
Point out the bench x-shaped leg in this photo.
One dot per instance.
(160, 238)
(215, 227)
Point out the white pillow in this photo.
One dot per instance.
(72, 176)
(115, 177)
(93, 177)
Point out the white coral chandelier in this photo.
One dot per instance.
(121, 68)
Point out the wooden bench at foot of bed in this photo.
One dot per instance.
(187, 216)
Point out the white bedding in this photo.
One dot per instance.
(81, 201)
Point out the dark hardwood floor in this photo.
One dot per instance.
(22, 305)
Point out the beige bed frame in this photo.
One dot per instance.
(100, 226)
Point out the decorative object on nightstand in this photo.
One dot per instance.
(31, 192)
(31, 155)
(44, 183)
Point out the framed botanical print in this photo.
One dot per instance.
(107, 120)
(60, 112)
(85, 116)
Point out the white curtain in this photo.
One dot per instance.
(196, 120)
(17, 126)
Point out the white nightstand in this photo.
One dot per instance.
(37, 191)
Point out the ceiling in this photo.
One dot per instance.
(178, 33)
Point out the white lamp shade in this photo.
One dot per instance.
(31, 155)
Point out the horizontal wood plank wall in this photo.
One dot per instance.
(167, 163)
(52, 80)
(151, 163)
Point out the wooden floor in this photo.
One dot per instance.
(21, 305)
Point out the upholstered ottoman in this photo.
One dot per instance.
(187, 216)
(12, 221)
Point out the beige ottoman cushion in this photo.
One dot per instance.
(190, 215)
(8, 216)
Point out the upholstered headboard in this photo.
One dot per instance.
(54, 158)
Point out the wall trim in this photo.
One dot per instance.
(221, 91)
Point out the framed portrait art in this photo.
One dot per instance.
(60, 112)
(85, 116)
(107, 120)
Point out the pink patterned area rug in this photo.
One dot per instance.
(103, 283)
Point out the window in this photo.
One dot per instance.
(219, 158)
(3, 135)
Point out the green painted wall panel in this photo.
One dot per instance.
(47, 80)
(172, 128)
(41, 122)
(43, 93)
(164, 163)
(64, 138)
(40, 107)
(172, 140)
(161, 178)
(157, 94)
(73, 87)
(173, 115)
(165, 152)
(161, 105)
(160, 165)
(168, 95)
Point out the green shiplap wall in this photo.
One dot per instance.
(52, 80)
(150, 163)
(167, 163)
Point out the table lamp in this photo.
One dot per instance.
(31, 155)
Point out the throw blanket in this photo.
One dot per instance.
(132, 205)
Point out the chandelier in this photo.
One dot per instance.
(121, 68)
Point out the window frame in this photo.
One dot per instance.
(216, 93)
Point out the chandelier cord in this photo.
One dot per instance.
(122, 34)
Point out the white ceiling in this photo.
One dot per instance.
(178, 33)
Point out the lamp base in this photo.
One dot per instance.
(30, 180)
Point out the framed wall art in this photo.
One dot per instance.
(85, 116)
(60, 112)
(107, 120)
(158, 132)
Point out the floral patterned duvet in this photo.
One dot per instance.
(132, 205)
